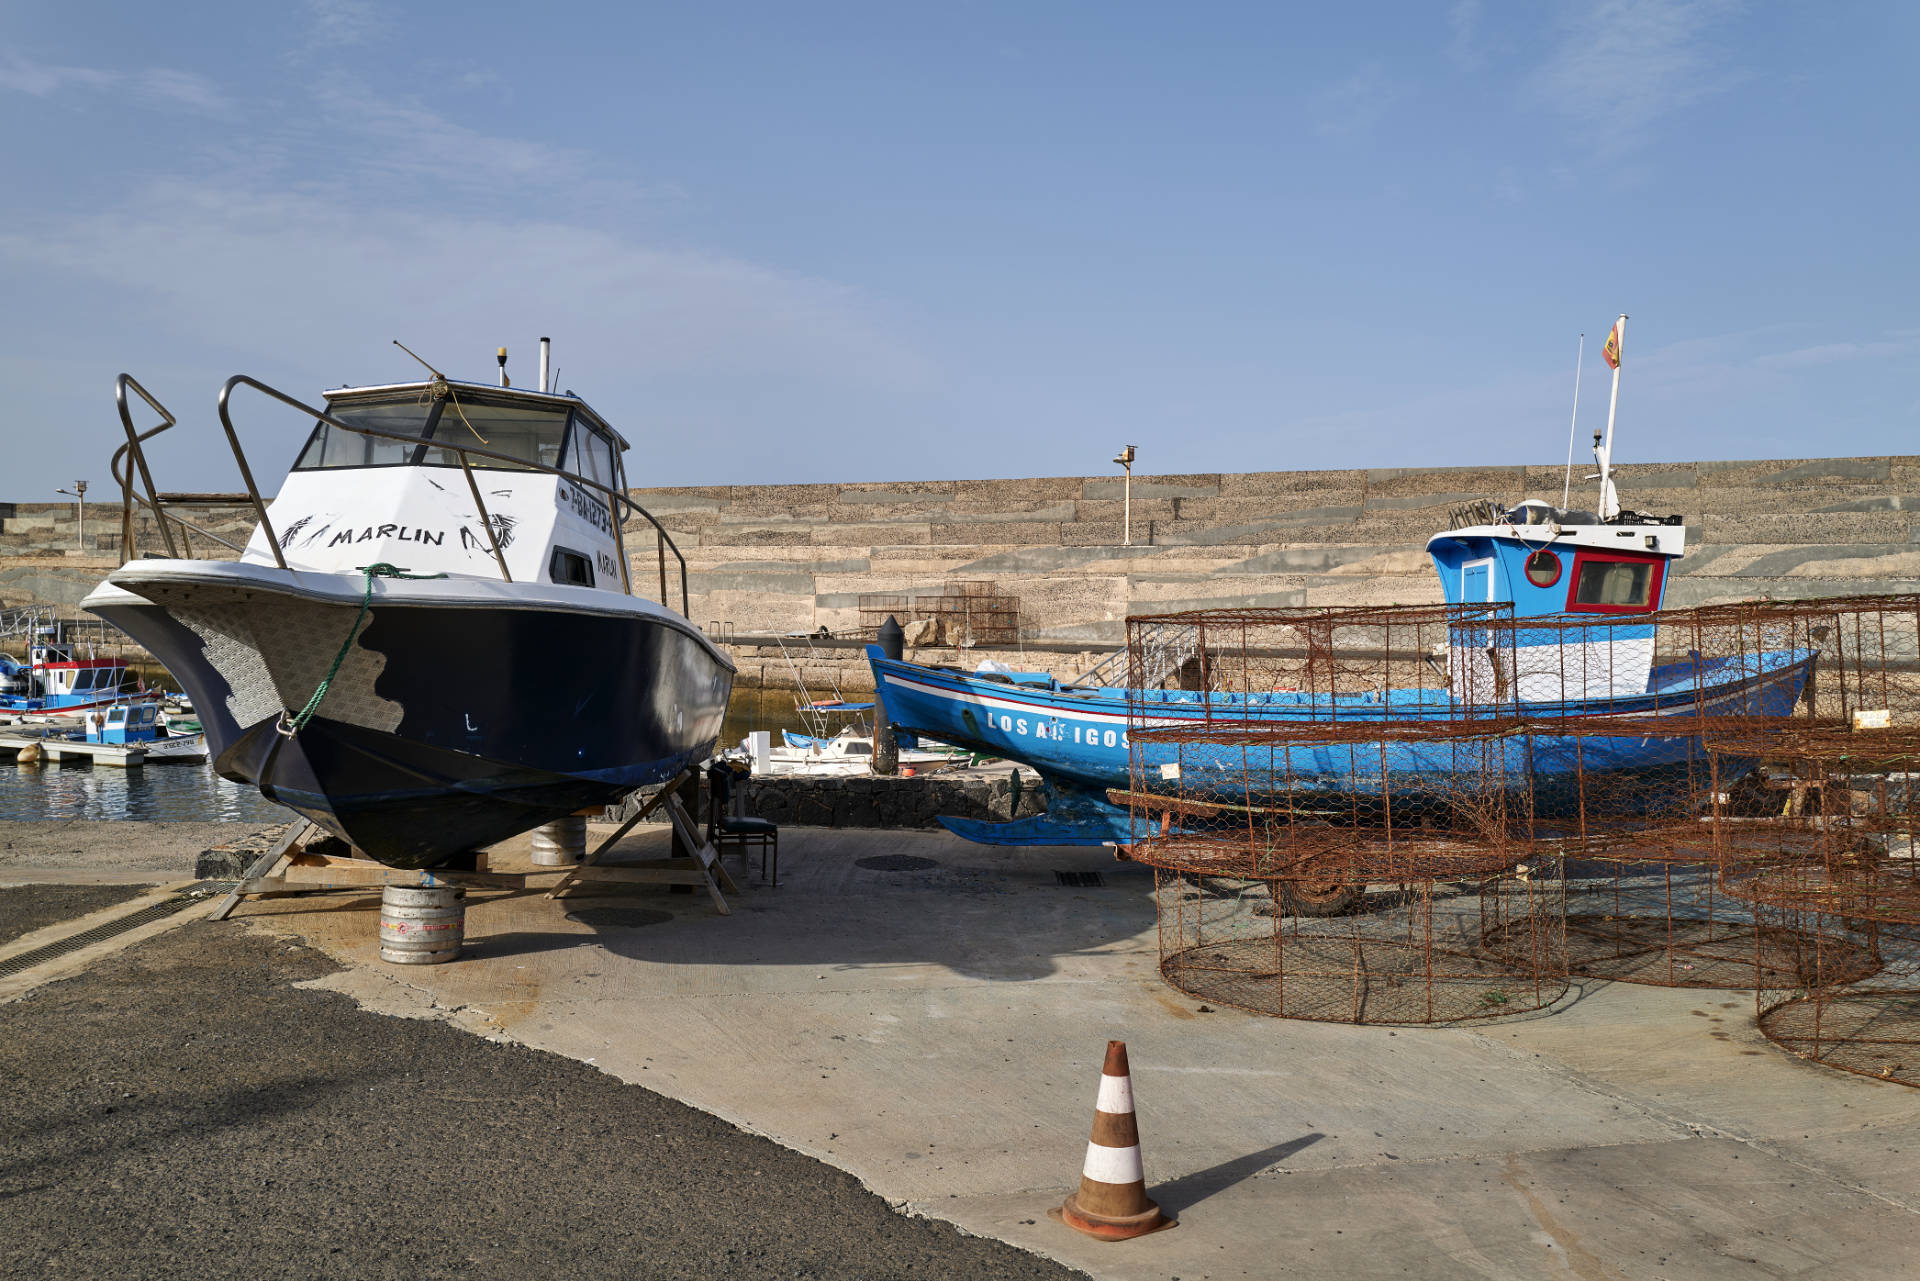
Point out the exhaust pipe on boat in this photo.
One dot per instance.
(546, 357)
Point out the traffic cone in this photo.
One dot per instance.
(1112, 1201)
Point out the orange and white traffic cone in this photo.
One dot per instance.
(1112, 1201)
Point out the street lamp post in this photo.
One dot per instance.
(79, 494)
(1125, 459)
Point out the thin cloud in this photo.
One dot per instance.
(1835, 353)
(1622, 65)
(411, 139)
(341, 24)
(1356, 104)
(277, 272)
(1463, 49)
(155, 84)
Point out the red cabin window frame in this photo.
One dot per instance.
(1656, 581)
(1526, 567)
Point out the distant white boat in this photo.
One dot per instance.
(849, 752)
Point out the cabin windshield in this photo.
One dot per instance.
(532, 435)
(1621, 584)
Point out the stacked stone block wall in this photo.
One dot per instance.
(774, 559)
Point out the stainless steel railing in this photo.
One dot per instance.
(619, 504)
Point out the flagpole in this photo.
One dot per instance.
(1609, 504)
(1566, 489)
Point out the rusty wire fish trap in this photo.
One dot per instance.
(1838, 860)
(1621, 714)
(1611, 709)
(1338, 817)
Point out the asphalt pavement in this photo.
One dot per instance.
(185, 1108)
(26, 908)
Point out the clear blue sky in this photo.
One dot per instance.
(803, 242)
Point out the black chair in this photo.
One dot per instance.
(723, 829)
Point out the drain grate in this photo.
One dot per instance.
(1079, 880)
(895, 863)
(74, 942)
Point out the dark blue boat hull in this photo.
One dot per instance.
(510, 718)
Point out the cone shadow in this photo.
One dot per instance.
(1190, 1189)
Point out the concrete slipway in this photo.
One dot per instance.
(939, 1034)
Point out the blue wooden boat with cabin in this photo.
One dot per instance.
(1547, 562)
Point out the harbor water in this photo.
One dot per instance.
(195, 794)
(162, 793)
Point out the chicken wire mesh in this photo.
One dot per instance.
(1318, 750)
(1319, 743)
(1839, 857)
(1623, 716)
(1327, 749)
(1431, 950)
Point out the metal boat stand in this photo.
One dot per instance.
(701, 867)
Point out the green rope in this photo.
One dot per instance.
(290, 726)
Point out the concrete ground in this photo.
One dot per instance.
(938, 1030)
(110, 853)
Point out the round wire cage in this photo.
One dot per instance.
(1423, 952)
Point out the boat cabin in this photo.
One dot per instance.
(404, 498)
(124, 723)
(55, 677)
(1549, 562)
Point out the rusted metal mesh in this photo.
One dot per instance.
(1323, 750)
(1836, 850)
(1312, 653)
(1320, 744)
(1872, 1027)
(963, 614)
(1623, 717)
(1431, 951)
(1674, 924)
(1312, 749)
(1861, 656)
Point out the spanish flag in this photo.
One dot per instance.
(1612, 350)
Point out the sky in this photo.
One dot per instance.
(839, 242)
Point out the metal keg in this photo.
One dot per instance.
(561, 843)
(422, 925)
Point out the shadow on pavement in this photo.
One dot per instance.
(1191, 1189)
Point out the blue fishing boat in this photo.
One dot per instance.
(1595, 580)
(61, 677)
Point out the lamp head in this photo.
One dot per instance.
(1124, 458)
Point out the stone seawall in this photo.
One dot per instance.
(780, 559)
(772, 559)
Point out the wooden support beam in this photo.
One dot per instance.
(261, 866)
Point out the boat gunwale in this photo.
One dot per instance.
(452, 592)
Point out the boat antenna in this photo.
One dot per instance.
(1566, 488)
(438, 376)
(439, 389)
